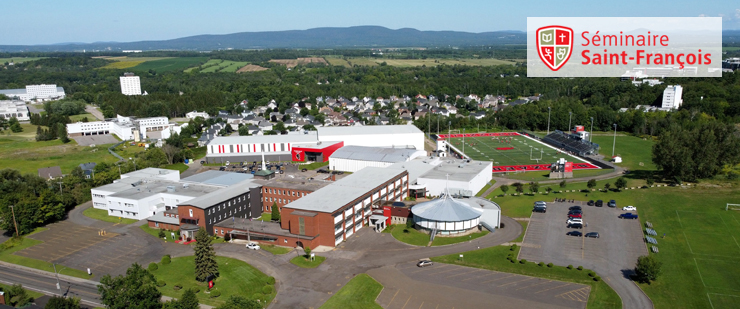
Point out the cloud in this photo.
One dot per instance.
(703, 15)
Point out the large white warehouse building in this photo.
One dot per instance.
(355, 158)
(401, 136)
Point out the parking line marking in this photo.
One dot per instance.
(499, 278)
(407, 302)
(422, 304)
(394, 297)
(474, 270)
(559, 286)
(514, 282)
(536, 284)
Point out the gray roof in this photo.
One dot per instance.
(218, 178)
(342, 192)
(50, 172)
(400, 129)
(212, 198)
(445, 209)
(87, 166)
(391, 155)
(149, 188)
(453, 168)
(259, 139)
(12, 92)
(159, 217)
(415, 168)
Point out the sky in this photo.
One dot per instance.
(31, 22)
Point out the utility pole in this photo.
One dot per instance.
(615, 139)
(590, 136)
(60, 188)
(134, 159)
(548, 120)
(12, 209)
(570, 119)
(57, 275)
(463, 150)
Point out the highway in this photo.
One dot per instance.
(45, 283)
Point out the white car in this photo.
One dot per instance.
(253, 246)
(574, 221)
(630, 208)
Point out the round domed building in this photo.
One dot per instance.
(450, 216)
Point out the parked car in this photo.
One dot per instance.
(202, 162)
(575, 226)
(571, 216)
(540, 209)
(630, 208)
(590, 203)
(574, 233)
(612, 203)
(424, 263)
(575, 208)
(540, 203)
(575, 211)
(599, 203)
(574, 220)
(592, 234)
(628, 215)
(253, 246)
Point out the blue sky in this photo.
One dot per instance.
(49, 22)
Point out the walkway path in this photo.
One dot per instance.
(94, 111)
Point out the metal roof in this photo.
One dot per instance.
(159, 217)
(416, 168)
(369, 130)
(342, 192)
(445, 209)
(263, 139)
(218, 178)
(378, 154)
(220, 195)
(458, 170)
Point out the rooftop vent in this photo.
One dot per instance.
(170, 189)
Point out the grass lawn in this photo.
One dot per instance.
(700, 253)
(33, 294)
(125, 62)
(10, 246)
(488, 185)
(494, 258)
(302, 261)
(313, 166)
(484, 148)
(542, 176)
(177, 166)
(441, 241)
(360, 292)
(20, 59)
(276, 250)
(218, 65)
(236, 278)
(155, 233)
(102, 215)
(633, 150)
(408, 235)
(524, 231)
(76, 118)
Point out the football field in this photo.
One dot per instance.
(510, 151)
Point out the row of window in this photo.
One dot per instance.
(98, 195)
(283, 192)
(225, 205)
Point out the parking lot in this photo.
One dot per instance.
(613, 254)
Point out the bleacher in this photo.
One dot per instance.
(572, 144)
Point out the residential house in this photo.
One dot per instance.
(88, 169)
(50, 172)
(272, 104)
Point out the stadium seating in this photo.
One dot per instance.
(562, 140)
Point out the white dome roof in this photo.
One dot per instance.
(445, 209)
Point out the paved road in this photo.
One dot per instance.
(94, 111)
(45, 282)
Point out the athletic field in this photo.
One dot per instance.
(511, 151)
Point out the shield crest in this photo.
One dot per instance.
(554, 45)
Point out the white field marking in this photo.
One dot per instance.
(710, 301)
(687, 242)
(679, 221)
(697, 270)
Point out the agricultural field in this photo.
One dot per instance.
(219, 65)
(20, 59)
(125, 62)
(291, 63)
(636, 152)
(350, 61)
(251, 68)
(170, 64)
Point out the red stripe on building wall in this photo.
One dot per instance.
(254, 147)
(274, 148)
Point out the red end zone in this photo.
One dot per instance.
(540, 167)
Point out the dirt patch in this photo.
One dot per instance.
(250, 68)
(290, 63)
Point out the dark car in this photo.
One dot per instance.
(628, 215)
(424, 263)
(575, 215)
(592, 234)
(540, 209)
(599, 203)
(574, 233)
(575, 211)
(223, 168)
(575, 208)
(590, 203)
(575, 226)
(612, 203)
(202, 162)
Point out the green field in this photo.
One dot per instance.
(20, 59)
(170, 64)
(700, 252)
(414, 237)
(633, 150)
(303, 262)
(128, 62)
(362, 61)
(484, 148)
(236, 278)
(218, 65)
(102, 215)
(358, 293)
(76, 118)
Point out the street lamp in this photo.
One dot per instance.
(548, 120)
(130, 158)
(590, 136)
(570, 119)
(59, 287)
(615, 139)
(12, 209)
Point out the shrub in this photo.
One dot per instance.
(177, 287)
(161, 234)
(570, 267)
(549, 265)
(161, 283)
(257, 296)
(580, 267)
(195, 290)
(513, 247)
(522, 261)
(405, 230)
(166, 259)
(512, 260)
(153, 266)
(542, 264)
(597, 278)
(268, 289)
(270, 280)
(215, 293)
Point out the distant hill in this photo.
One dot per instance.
(350, 37)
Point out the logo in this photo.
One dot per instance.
(298, 154)
(554, 45)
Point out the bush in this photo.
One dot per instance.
(270, 280)
(549, 265)
(580, 267)
(542, 264)
(161, 283)
(570, 267)
(196, 289)
(591, 274)
(597, 278)
(268, 289)
(513, 247)
(405, 230)
(215, 293)
(257, 296)
(161, 234)
(522, 261)
(177, 287)
(166, 259)
(153, 266)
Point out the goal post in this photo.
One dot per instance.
(732, 206)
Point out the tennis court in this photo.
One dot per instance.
(511, 151)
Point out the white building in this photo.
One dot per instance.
(12, 108)
(435, 175)
(35, 93)
(672, 97)
(400, 136)
(130, 84)
(127, 128)
(355, 158)
(195, 114)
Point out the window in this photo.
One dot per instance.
(222, 232)
(191, 212)
(156, 224)
(285, 241)
(215, 231)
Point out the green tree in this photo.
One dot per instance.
(279, 127)
(309, 127)
(563, 184)
(58, 302)
(188, 300)
(137, 289)
(15, 126)
(607, 186)
(17, 296)
(205, 256)
(518, 187)
(591, 183)
(620, 183)
(534, 187)
(62, 133)
(240, 302)
(650, 181)
(244, 130)
(504, 189)
(275, 212)
(647, 269)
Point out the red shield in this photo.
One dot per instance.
(554, 45)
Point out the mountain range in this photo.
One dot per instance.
(349, 37)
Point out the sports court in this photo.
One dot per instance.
(511, 151)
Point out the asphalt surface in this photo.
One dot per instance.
(612, 256)
(45, 282)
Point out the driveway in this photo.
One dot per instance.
(612, 256)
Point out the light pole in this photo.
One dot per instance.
(590, 136)
(570, 119)
(615, 139)
(119, 169)
(130, 158)
(548, 120)
(56, 274)
(437, 124)
(12, 209)
(463, 154)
